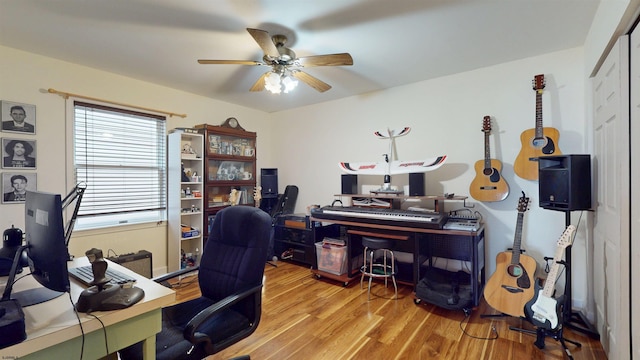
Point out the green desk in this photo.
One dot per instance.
(53, 331)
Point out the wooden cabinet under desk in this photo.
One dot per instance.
(296, 236)
(424, 245)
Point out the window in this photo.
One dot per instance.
(120, 155)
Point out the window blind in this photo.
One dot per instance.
(120, 155)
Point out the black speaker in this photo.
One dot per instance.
(269, 183)
(565, 182)
(416, 184)
(349, 184)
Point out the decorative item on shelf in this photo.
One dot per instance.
(184, 130)
(184, 176)
(234, 197)
(232, 123)
(196, 193)
(188, 152)
(392, 166)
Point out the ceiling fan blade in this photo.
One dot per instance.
(326, 60)
(236, 62)
(314, 82)
(265, 42)
(259, 85)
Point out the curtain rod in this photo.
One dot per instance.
(66, 95)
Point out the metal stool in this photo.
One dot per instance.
(378, 269)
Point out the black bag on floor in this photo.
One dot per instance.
(447, 289)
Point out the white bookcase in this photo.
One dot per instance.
(185, 199)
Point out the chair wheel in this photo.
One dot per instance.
(417, 301)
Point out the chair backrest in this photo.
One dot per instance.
(233, 259)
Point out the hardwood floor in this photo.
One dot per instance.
(307, 318)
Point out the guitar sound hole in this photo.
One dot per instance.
(539, 142)
(514, 270)
(487, 171)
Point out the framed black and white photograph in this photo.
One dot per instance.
(18, 117)
(18, 153)
(15, 186)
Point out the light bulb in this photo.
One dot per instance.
(289, 83)
(272, 83)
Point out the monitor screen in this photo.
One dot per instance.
(45, 237)
(46, 251)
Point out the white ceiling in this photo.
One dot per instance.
(392, 42)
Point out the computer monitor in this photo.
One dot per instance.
(46, 250)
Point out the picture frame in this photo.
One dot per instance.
(19, 154)
(9, 196)
(18, 117)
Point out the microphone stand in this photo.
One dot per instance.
(74, 195)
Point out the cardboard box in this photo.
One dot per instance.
(331, 258)
(188, 231)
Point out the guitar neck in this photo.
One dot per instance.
(515, 253)
(487, 151)
(538, 130)
(550, 284)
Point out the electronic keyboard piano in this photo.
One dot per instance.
(383, 216)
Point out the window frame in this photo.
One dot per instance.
(93, 222)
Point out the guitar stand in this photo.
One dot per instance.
(542, 333)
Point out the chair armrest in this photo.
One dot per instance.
(190, 331)
(174, 274)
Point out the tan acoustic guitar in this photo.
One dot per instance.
(488, 184)
(512, 284)
(536, 142)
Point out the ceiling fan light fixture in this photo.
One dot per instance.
(280, 81)
(272, 83)
(289, 83)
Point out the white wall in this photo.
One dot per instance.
(446, 116)
(25, 77)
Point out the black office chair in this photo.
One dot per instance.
(230, 277)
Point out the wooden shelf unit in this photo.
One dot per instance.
(230, 163)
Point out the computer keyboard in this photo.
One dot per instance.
(84, 275)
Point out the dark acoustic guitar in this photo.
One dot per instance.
(540, 141)
(511, 285)
(543, 310)
(488, 185)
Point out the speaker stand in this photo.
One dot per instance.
(569, 316)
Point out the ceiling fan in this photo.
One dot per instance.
(285, 65)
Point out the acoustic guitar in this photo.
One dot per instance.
(488, 185)
(543, 310)
(536, 142)
(511, 285)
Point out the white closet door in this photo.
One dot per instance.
(635, 180)
(611, 179)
